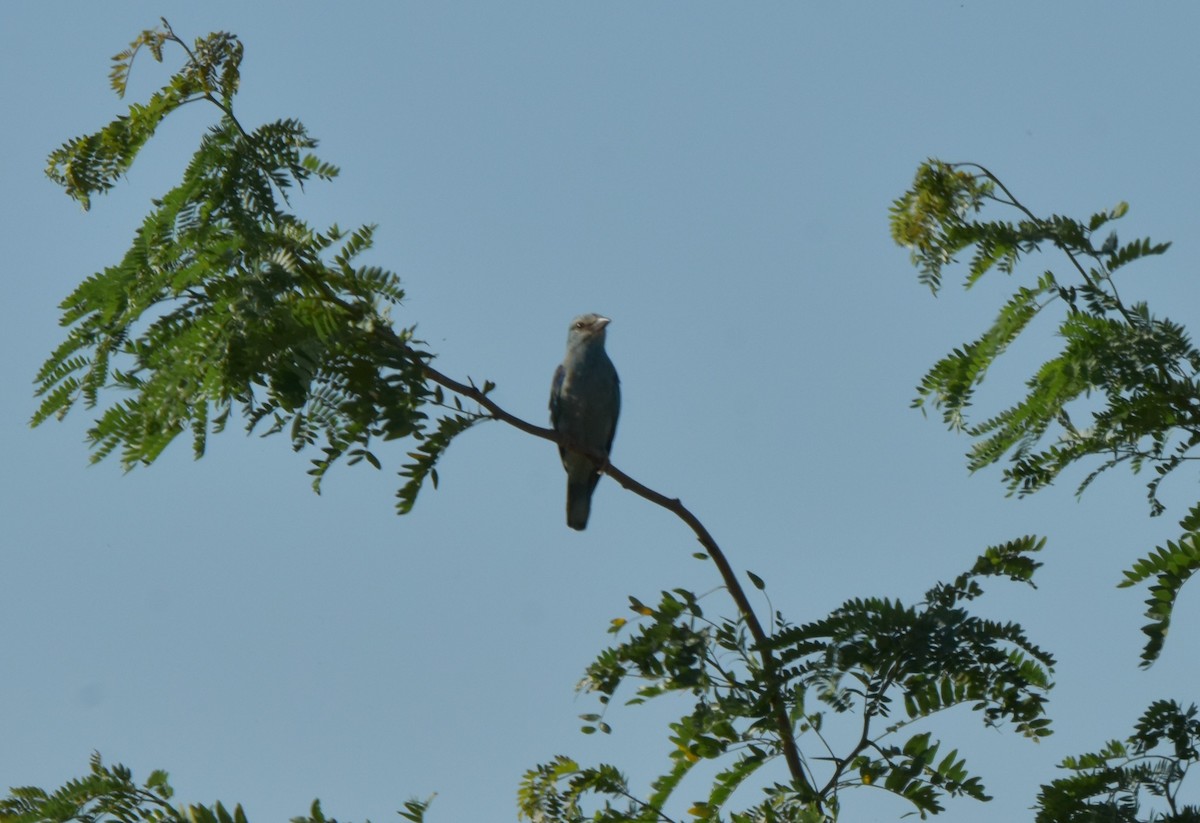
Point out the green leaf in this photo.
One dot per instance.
(414, 810)
(425, 458)
(1169, 566)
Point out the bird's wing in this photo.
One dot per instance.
(612, 433)
(555, 393)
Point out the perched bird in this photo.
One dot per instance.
(585, 400)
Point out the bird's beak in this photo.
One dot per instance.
(601, 322)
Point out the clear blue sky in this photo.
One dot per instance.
(715, 178)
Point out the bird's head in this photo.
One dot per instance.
(587, 328)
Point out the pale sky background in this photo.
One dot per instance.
(715, 178)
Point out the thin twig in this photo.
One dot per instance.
(1013, 201)
(207, 95)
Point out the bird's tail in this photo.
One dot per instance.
(579, 503)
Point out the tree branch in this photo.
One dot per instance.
(207, 95)
(772, 680)
(1087, 278)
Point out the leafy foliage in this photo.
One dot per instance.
(931, 220)
(1133, 376)
(225, 300)
(1113, 783)
(1144, 367)
(424, 459)
(1144, 372)
(91, 164)
(1170, 566)
(869, 657)
(108, 794)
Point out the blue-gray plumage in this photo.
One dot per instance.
(585, 400)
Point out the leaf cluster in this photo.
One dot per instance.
(1143, 367)
(1169, 567)
(1123, 389)
(227, 301)
(109, 794)
(867, 658)
(1132, 376)
(872, 655)
(91, 164)
(1114, 783)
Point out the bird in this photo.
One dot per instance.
(585, 400)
